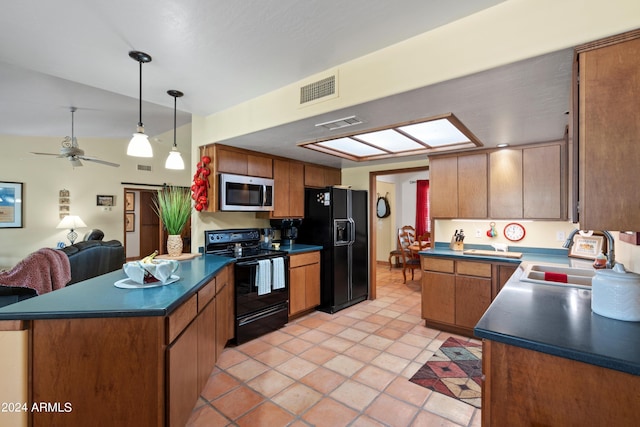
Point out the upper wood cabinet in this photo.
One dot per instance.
(290, 177)
(458, 186)
(241, 162)
(527, 182)
(321, 176)
(608, 125)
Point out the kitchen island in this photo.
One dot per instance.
(457, 288)
(95, 354)
(549, 360)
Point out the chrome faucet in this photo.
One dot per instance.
(611, 261)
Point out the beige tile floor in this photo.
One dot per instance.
(351, 368)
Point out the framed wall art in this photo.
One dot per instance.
(129, 222)
(103, 200)
(11, 205)
(588, 247)
(129, 201)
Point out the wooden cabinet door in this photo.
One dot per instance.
(281, 189)
(297, 290)
(473, 297)
(332, 176)
(229, 161)
(312, 285)
(609, 125)
(313, 176)
(296, 190)
(443, 187)
(438, 297)
(472, 186)
(182, 378)
(505, 184)
(259, 166)
(501, 274)
(225, 316)
(542, 182)
(206, 343)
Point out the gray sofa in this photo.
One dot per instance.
(87, 259)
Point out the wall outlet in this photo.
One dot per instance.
(560, 236)
(478, 233)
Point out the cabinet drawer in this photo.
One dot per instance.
(222, 277)
(206, 294)
(304, 259)
(437, 264)
(470, 268)
(178, 320)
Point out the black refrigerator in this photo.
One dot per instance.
(336, 219)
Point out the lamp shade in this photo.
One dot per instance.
(174, 161)
(139, 146)
(71, 222)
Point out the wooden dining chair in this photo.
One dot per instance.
(409, 262)
(424, 240)
(403, 232)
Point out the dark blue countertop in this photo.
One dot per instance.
(298, 248)
(98, 297)
(558, 320)
(556, 256)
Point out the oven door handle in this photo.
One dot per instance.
(246, 263)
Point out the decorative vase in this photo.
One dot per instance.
(174, 245)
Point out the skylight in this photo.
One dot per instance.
(425, 136)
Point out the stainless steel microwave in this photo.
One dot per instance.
(245, 193)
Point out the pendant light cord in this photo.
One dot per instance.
(140, 97)
(175, 107)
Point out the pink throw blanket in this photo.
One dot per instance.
(45, 270)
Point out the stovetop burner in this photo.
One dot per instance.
(223, 242)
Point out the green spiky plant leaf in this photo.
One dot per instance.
(173, 207)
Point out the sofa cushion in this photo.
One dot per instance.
(93, 258)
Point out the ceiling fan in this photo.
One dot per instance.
(73, 152)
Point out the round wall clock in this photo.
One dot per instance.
(514, 231)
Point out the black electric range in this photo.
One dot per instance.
(261, 301)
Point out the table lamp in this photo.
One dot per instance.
(71, 222)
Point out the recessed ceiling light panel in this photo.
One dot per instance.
(351, 147)
(390, 140)
(436, 133)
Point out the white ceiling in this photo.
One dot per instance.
(54, 54)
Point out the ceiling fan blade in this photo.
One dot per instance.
(46, 154)
(104, 162)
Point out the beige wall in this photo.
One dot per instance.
(44, 177)
(385, 227)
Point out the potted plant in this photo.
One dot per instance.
(173, 207)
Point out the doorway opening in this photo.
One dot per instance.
(373, 219)
(143, 230)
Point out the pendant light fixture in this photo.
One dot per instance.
(174, 161)
(139, 146)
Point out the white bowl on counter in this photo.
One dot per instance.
(156, 271)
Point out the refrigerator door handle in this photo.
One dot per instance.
(352, 232)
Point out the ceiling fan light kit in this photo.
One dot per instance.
(174, 161)
(139, 146)
(72, 151)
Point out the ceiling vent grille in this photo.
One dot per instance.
(146, 168)
(316, 90)
(340, 123)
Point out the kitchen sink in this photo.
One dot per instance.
(575, 277)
